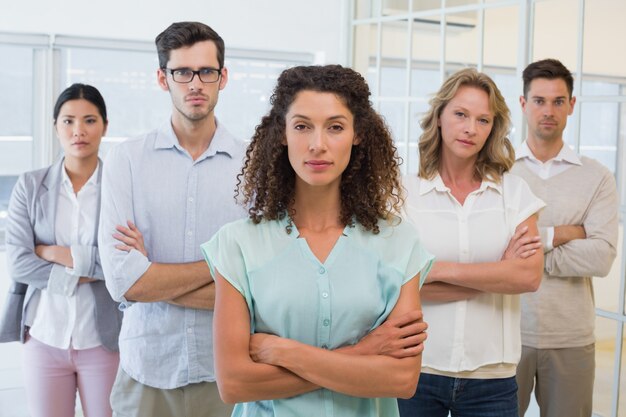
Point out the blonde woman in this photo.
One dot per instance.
(480, 223)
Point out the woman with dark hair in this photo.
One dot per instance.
(321, 261)
(59, 306)
(481, 224)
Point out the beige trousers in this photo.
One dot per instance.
(562, 379)
(134, 399)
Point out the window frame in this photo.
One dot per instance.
(373, 17)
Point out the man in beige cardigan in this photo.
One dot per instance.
(579, 233)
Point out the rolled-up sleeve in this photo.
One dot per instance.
(121, 269)
(62, 280)
(547, 238)
(84, 259)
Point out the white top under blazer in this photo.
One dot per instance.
(67, 320)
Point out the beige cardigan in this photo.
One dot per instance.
(561, 313)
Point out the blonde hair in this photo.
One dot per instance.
(497, 155)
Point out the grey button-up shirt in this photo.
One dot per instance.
(178, 204)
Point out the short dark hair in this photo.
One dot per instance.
(370, 184)
(181, 34)
(76, 92)
(548, 68)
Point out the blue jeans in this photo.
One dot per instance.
(437, 395)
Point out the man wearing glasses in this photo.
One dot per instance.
(163, 194)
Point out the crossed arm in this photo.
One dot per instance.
(264, 367)
(589, 248)
(42, 266)
(566, 233)
(519, 270)
(186, 284)
(61, 255)
(130, 275)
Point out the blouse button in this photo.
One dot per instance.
(324, 295)
(326, 322)
(322, 270)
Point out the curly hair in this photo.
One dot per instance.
(370, 185)
(497, 155)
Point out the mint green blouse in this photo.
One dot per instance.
(290, 293)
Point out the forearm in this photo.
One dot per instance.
(259, 381)
(202, 298)
(510, 276)
(356, 375)
(247, 381)
(443, 292)
(82, 259)
(61, 255)
(567, 233)
(581, 258)
(163, 282)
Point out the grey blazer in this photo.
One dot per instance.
(31, 222)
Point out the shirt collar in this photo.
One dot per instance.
(222, 142)
(566, 154)
(93, 180)
(437, 184)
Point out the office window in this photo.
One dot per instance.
(16, 105)
(246, 98)
(125, 73)
(127, 81)
(405, 49)
(136, 104)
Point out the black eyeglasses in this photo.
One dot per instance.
(185, 75)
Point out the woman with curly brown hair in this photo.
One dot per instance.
(480, 222)
(321, 262)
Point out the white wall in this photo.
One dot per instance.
(284, 25)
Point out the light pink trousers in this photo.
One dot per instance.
(53, 375)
